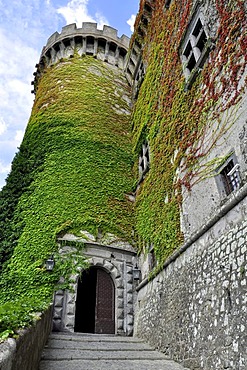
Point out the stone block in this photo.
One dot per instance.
(58, 313)
(69, 321)
(129, 298)
(70, 298)
(129, 288)
(120, 303)
(120, 324)
(58, 301)
(120, 314)
(70, 309)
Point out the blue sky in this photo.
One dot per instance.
(25, 26)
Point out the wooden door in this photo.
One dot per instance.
(105, 304)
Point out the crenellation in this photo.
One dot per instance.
(88, 29)
(110, 32)
(51, 40)
(87, 40)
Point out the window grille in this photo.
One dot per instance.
(230, 177)
(195, 47)
(144, 159)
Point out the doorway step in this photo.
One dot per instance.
(101, 352)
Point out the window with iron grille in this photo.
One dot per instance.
(195, 47)
(144, 160)
(228, 176)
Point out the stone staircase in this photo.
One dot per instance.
(101, 352)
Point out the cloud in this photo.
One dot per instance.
(131, 22)
(4, 171)
(4, 168)
(19, 136)
(3, 126)
(76, 11)
(15, 89)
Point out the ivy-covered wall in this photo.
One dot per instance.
(70, 175)
(183, 125)
(194, 307)
(74, 166)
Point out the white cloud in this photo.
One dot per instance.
(4, 168)
(76, 11)
(15, 77)
(131, 22)
(3, 126)
(19, 136)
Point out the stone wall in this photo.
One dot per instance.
(25, 352)
(195, 310)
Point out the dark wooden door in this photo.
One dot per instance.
(95, 303)
(105, 304)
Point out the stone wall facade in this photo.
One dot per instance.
(118, 260)
(195, 310)
(25, 352)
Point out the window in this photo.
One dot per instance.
(194, 48)
(167, 3)
(144, 160)
(228, 176)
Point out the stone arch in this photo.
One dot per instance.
(120, 270)
(95, 302)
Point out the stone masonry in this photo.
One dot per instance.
(195, 310)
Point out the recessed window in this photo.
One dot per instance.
(194, 48)
(144, 160)
(228, 176)
(139, 77)
(167, 3)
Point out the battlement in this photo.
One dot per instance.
(103, 44)
(87, 29)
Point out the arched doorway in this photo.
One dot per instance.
(95, 303)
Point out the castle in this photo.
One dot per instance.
(134, 165)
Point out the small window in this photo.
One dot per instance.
(228, 176)
(194, 48)
(144, 160)
(167, 3)
(152, 261)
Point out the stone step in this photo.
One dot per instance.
(101, 352)
(93, 337)
(111, 365)
(74, 354)
(99, 346)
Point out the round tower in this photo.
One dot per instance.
(75, 171)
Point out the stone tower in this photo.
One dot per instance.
(77, 164)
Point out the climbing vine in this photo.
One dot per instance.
(182, 126)
(78, 139)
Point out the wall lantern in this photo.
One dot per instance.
(50, 263)
(136, 273)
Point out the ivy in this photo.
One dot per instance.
(182, 126)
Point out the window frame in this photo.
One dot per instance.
(195, 47)
(144, 159)
(228, 177)
(167, 4)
